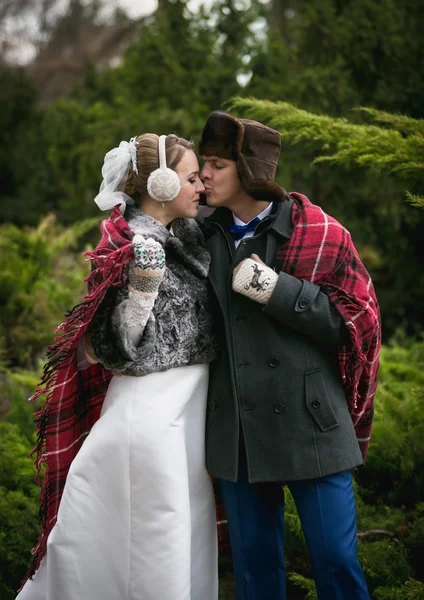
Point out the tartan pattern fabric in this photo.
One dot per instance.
(321, 251)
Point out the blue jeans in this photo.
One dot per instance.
(326, 508)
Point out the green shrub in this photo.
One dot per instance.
(411, 590)
(304, 583)
(16, 468)
(41, 277)
(377, 515)
(394, 473)
(19, 494)
(18, 535)
(385, 563)
(15, 392)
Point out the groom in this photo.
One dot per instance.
(291, 394)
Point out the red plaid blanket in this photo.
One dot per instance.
(321, 251)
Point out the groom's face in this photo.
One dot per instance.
(221, 181)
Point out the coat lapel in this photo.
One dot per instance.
(221, 247)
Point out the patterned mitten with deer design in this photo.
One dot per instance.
(255, 280)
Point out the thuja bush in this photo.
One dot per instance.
(385, 563)
(19, 494)
(41, 277)
(394, 471)
(411, 590)
(18, 534)
(15, 407)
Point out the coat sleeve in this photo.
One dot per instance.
(305, 307)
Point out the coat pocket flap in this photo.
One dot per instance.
(318, 401)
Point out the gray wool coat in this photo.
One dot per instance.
(179, 329)
(275, 387)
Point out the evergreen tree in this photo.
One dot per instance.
(332, 55)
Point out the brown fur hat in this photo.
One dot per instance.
(253, 146)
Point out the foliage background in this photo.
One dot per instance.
(304, 67)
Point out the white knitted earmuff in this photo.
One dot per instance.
(163, 184)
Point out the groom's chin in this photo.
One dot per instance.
(205, 200)
(209, 201)
(204, 210)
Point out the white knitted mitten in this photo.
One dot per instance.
(145, 276)
(255, 280)
(147, 270)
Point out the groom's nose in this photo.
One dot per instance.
(205, 173)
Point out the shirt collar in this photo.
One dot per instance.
(261, 216)
(279, 219)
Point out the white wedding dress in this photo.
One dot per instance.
(137, 517)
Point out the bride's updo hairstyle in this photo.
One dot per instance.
(148, 160)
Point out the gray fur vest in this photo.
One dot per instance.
(179, 329)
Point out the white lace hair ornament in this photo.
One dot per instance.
(163, 184)
(116, 166)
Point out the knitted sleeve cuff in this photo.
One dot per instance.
(146, 281)
(254, 280)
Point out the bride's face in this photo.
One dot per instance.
(187, 201)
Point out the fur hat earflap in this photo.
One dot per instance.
(253, 146)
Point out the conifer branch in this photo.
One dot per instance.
(402, 123)
(341, 142)
(415, 200)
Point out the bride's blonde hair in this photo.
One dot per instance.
(148, 160)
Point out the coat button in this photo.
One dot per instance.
(213, 405)
(274, 361)
(278, 408)
(316, 404)
(303, 303)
